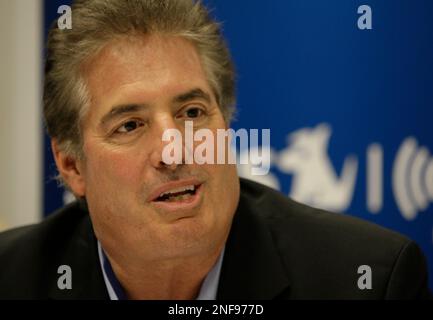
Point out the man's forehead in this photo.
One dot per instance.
(144, 51)
(148, 64)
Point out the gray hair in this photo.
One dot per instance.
(97, 22)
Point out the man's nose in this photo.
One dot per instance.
(162, 124)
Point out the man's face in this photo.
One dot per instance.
(140, 88)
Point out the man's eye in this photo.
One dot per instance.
(129, 126)
(193, 113)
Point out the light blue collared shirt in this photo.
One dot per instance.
(208, 290)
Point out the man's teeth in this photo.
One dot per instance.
(181, 189)
(179, 198)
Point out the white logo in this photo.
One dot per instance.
(365, 21)
(412, 178)
(365, 280)
(315, 181)
(65, 20)
(65, 280)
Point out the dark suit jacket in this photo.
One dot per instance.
(277, 248)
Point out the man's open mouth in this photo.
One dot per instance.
(179, 194)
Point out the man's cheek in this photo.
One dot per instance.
(117, 168)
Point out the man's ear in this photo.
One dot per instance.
(70, 169)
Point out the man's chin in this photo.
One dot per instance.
(195, 230)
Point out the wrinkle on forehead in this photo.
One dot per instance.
(141, 57)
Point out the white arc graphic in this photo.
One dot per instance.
(412, 178)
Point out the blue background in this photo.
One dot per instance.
(302, 62)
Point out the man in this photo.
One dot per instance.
(144, 228)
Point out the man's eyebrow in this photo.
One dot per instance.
(196, 93)
(120, 110)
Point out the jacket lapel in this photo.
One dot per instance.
(252, 267)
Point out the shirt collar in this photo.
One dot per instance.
(208, 290)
